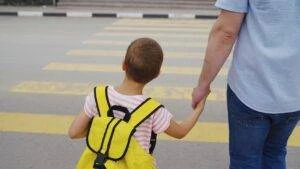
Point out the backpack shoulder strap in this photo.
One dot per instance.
(101, 99)
(144, 111)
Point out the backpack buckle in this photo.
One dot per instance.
(99, 161)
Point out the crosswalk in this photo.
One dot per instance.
(93, 67)
(121, 53)
(162, 43)
(63, 88)
(59, 124)
(181, 40)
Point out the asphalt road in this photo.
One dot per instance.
(48, 65)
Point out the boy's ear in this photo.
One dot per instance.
(124, 66)
(158, 74)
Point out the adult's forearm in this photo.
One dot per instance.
(218, 49)
(220, 43)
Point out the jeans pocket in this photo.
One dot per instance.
(248, 119)
(293, 118)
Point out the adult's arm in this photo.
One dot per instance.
(220, 42)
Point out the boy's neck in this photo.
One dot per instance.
(130, 87)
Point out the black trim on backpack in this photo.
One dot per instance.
(133, 131)
(134, 110)
(150, 114)
(111, 137)
(95, 97)
(88, 133)
(104, 135)
(126, 149)
(153, 135)
(152, 142)
(107, 100)
(127, 114)
(87, 137)
(106, 95)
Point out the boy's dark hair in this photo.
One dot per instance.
(143, 58)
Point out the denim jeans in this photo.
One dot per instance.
(257, 140)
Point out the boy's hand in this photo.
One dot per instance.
(199, 93)
(200, 106)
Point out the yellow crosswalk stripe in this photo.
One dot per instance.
(91, 67)
(163, 43)
(151, 35)
(62, 88)
(106, 53)
(59, 124)
(168, 54)
(34, 123)
(159, 29)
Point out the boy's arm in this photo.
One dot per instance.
(180, 130)
(79, 127)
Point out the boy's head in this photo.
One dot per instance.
(143, 60)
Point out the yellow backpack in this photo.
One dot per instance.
(110, 141)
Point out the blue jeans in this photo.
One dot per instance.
(257, 140)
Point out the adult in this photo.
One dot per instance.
(263, 92)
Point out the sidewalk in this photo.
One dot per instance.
(74, 11)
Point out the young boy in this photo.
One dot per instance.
(142, 64)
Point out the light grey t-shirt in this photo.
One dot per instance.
(265, 72)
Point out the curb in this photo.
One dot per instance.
(106, 15)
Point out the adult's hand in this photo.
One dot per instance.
(199, 93)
